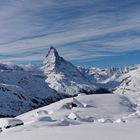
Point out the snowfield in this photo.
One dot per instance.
(84, 108)
(129, 131)
(106, 116)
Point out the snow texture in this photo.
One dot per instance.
(104, 117)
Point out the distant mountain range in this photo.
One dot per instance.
(124, 81)
(23, 89)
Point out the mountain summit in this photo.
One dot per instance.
(52, 56)
(53, 61)
(63, 76)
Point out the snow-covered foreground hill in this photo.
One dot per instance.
(84, 108)
(106, 116)
(79, 132)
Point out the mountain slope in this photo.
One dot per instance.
(130, 85)
(21, 91)
(63, 76)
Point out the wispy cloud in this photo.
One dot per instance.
(80, 30)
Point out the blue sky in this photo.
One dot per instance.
(100, 33)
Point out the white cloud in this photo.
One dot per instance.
(29, 27)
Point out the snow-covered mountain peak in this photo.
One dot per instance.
(52, 56)
(63, 76)
(53, 62)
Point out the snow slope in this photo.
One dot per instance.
(129, 131)
(106, 116)
(85, 108)
(130, 85)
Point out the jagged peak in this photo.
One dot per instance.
(52, 51)
(52, 56)
(55, 63)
